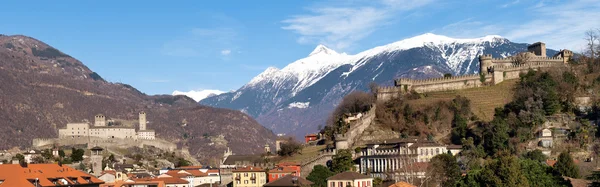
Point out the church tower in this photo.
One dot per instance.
(96, 160)
(142, 120)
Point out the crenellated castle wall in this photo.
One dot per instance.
(493, 71)
(104, 142)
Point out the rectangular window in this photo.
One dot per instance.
(253, 181)
(245, 181)
(341, 184)
(245, 174)
(332, 184)
(368, 183)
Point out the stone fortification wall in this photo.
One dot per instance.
(103, 142)
(443, 83)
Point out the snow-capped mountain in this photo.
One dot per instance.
(299, 97)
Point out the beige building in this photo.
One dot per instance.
(249, 177)
(349, 179)
(101, 130)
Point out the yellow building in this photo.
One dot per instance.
(249, 177)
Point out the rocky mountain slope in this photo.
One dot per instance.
(42, 89)
(298, 98)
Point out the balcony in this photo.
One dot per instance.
(237, 178)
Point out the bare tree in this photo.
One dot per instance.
(521, 58)
(591, 37)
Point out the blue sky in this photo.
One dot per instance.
(160, 46)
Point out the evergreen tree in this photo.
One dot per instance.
(319, 176)
(342, 161)
(565, 166)
(445, 169)
(538, 174)
(459, 129)
(505, 170)
(535, 155)
(496, 136)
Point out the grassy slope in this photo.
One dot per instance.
(307, 152)
(483, 100)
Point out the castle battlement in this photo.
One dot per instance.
(492, 71)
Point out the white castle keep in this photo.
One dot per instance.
(100, 129)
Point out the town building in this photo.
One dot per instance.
(167, 181)
(289, 181)
(231, 162)
(545, 138)
(349, 179)
(41, 175)
(131, 183)
(281, 171)
(249, 177)
(379, 159)
(100, 129)
(310, 137)
(30, 155)
(194, 177)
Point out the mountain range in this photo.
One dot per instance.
(42, 89)
(298, 98)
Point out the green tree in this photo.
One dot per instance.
(61, 153)
(459, 129)
(377, 181)
(19, 157)
(77, 155)
(445, 169)
(182, 162)
(595, 178)
(535, 155)
(319, 176)
(47, 154)
(342, 161)
(505, 170)
(496, 136)
(565, 166)
(538, 174)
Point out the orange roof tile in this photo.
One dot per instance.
(17, 175)
(249, 169)
(282, 170)
(167, 180)
(129, 183)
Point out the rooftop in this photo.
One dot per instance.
(45, 174)
(232, 159)
(289, 180)
(249, 169)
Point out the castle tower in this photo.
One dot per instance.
(267, 149)
(142, 120)
(538, 48)
(485, 62)
(100, 120)
(566, 55)
(96, 160)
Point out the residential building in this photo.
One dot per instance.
(194, 177)
(454, 149)
(29, 155)
(281, 171)
(249, 177)
(545, 138)
(289, 181)
(349, 179)
(131, 183)
(41, 175)
(381, 158)
(310, 138)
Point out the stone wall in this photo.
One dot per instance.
(103, 142)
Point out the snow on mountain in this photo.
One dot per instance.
(298, 97)
(198, 95)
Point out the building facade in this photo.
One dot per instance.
(249, 177)
(349, 179)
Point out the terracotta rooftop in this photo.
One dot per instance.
(134, 183)
(249, 169)
(348, 175)
(166, 180)
(46, 175)
(289, 180)
(283, 169)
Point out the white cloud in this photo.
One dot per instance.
(198, 95)
(226, 52)
(559, 25)
(510, 4)
(341, 27)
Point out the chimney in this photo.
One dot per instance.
(23, 164)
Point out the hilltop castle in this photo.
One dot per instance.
(100, 129)
(492, 71)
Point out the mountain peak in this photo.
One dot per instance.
(322, 49)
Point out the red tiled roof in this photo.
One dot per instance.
(126, 183)
(166, 180)
(282, 170)
(247, 169)
(16, 175)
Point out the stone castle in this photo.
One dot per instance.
(100, 129)
(492, 71)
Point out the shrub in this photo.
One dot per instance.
(48, 53)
